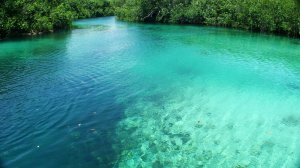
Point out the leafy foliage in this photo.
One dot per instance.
(37, 16)
(276, 16)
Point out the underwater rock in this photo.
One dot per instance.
(144, 157)
(157, 164)
(185, 137)
(209, 127)
(178, 141)
(230, 126)
(216, 142)
(267, 146)
(199, 124)
(240, 166)
(207, 154)
(293, 86)
(290, 121)
(178, 118)
(145, 147)
(130, 163)
(255, 150)
(200, 164)
(209, 114)
(259, 123)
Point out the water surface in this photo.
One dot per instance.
(116, 94)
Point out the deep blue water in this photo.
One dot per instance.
(117, 94)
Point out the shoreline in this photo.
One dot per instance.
(35, 34)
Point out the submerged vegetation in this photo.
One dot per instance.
(32, 17)
(274, 16)
(38, 16)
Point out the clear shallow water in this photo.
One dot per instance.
(115, 94)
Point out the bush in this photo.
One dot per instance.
(276, 16)
(28, 16)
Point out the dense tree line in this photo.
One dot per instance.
(38, 16)
(276, 16)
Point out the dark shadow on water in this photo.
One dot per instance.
(97, 148)
(1, 164)
(32, 37)
(90, 145)
(297, 165)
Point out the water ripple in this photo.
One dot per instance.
(131, 95)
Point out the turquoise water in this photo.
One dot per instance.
(116, 94)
